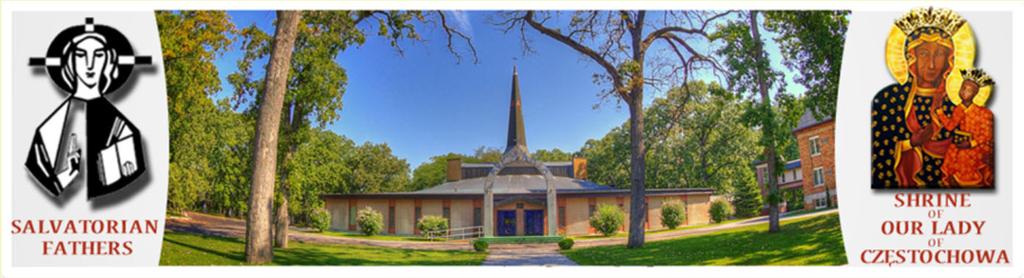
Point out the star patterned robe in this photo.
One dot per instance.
(896, 112)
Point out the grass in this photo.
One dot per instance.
(808, 241)
(680, 228)
(191, 249)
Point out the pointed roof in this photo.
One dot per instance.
(516, 129)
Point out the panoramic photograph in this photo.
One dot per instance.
(508, 137)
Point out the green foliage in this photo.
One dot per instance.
(370, 222)
(432, 225)
(794, 199)
(607, 219)
(551, 155)
(811, 43)
(673, 214)
(480, 245)
(321, 220)
(566, 243)
(209, 155)
(747, 197)
(720, 211)
(695, 139)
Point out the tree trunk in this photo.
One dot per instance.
(769, 150)
(637, 204)
(282, 222)
(258, 249)
(283, 219)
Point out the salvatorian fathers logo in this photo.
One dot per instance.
(88, 62)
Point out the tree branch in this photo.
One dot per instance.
(586, 51)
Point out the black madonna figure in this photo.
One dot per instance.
(908, 142)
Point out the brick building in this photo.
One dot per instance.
(816, 139)
(515, 197)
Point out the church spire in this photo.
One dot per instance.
(516, 129)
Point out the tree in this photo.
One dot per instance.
(191, 41)
(551, 155)
(811, 43)
(697, 139)
(618, 43)
(747, 197)
(317, 82)
(753, 77)
(258, 249)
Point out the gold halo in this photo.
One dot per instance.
(895, 56)
(963, 58)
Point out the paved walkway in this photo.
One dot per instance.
(526, 255)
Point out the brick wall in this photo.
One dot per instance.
(825, 160)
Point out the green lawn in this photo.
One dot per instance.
(651, 232)
(191, 249)
(808, 241)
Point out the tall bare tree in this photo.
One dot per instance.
(258, 243)
(620, 42)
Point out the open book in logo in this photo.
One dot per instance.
(88, 62)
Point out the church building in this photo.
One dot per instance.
(515, 197)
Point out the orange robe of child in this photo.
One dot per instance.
(970, 166)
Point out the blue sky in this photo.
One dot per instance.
(424, 103)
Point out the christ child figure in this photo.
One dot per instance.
(969, 160)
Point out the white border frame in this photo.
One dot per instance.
(7, 7)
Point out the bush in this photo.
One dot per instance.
(607, 219)
(432, 225)
(320, 220)
(720, 210)
(480, 245)
(566, 243)
(672, 214)
(371, 222)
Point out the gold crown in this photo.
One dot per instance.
(978, 76)
(943, 19)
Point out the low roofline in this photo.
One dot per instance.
(567, 193)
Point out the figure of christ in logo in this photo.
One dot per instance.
(925, 52)
(88, 62)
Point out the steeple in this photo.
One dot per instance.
(516, 130)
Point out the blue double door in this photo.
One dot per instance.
(533, 222)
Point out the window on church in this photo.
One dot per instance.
(561, 217)
(477, 217)
(351, 215)
(391, 219)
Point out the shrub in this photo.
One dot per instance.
(432, 225)
(607, 219)
(720, 210)
(320, 220)
(480, 245)
(566, 243)
(672, 214)
(370, 221)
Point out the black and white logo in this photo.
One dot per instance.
(89, 62)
